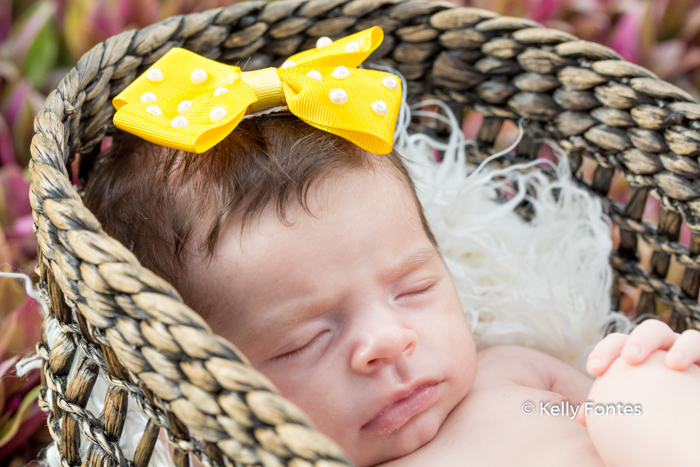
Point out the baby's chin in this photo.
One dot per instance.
(411, 437)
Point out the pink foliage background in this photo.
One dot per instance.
(40, 40)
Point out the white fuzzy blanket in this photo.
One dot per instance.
(544, 284)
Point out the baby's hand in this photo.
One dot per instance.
(650, 336)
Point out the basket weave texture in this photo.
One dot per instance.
(133, 327)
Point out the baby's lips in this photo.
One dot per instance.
(397, 413)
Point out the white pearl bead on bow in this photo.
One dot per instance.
(338, 96)
(340, 72)
(380, 108)
(323, 42)
(184, 107)
(148, 97)
(154, 110)
(315, 74)
(390, 83)
(179, 122)
(199, 76)
(217, 114)
(353, 47)
(154, 75)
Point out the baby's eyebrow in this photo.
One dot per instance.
(303, 308)
(412, 261)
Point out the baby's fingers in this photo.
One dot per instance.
(605, 352)
(648, 337)
(685, 352)
(581, 416)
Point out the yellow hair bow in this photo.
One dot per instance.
(189, 102)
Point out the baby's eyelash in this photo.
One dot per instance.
(419, 292)
(301, 350)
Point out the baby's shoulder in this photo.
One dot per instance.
(523, 366)
(513, 357)
(516, 364)
(515, 352)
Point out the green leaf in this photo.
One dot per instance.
(10, 429)
(672, 20)
(5, 366)
(77, 26)
(41, 55)
(647, 33)
(9, 327)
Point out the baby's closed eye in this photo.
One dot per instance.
(301, 349)
(416, 290)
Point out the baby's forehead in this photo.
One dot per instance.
(378, 174)
(274, 285)
(351, 192)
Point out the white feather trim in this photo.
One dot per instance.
(544, 284)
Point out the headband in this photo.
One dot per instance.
(186, 101)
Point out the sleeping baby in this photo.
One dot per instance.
(314, 257)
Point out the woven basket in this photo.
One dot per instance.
(132, 325)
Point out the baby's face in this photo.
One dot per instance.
(352, 314)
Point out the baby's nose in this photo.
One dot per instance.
(383, 347)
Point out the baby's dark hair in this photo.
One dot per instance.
(152, 198)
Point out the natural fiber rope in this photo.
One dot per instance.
(578, 93)
(90, 423)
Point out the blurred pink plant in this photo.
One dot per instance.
(29, 50)
(625, 36)
(20, 416)
(22, 426)
(28, 54)
(41, 39)
(87, 22)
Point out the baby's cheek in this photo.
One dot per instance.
(458, 352)
(458, 340)
(315, 393)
